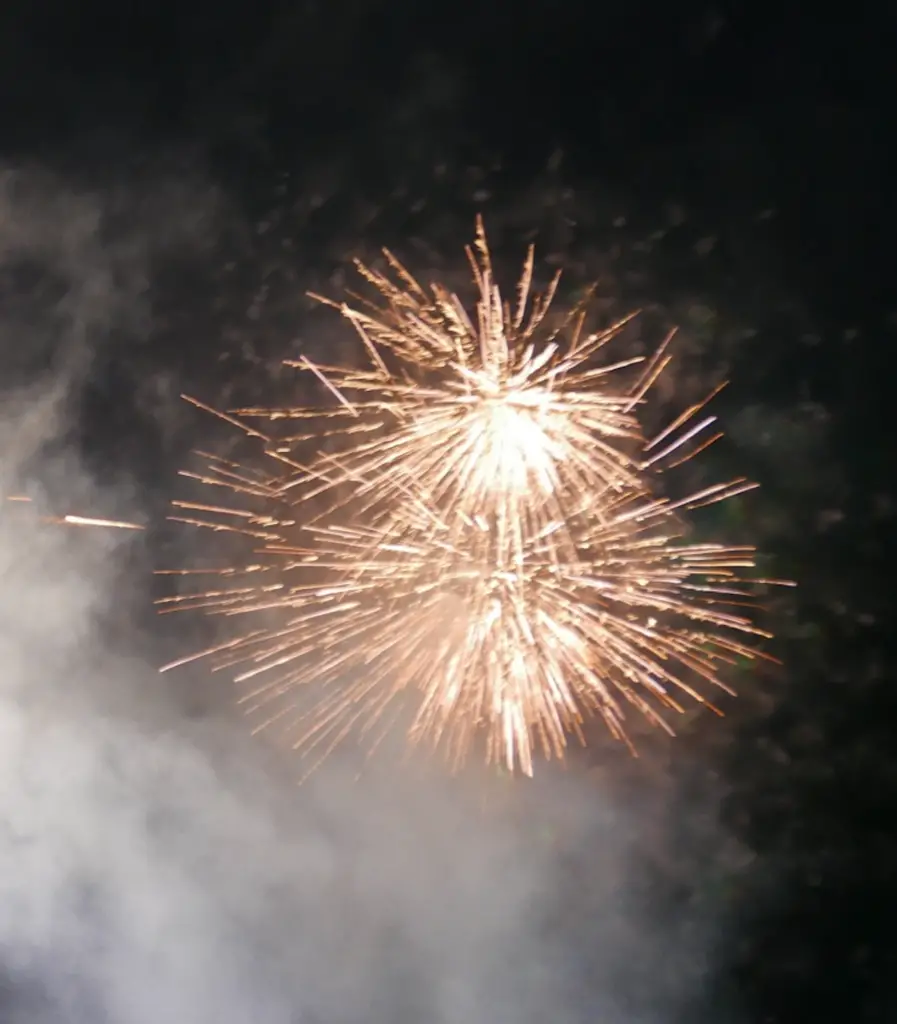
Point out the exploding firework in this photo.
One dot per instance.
(440, 636)
(503, 416)
(480, 555)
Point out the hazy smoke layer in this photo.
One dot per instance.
(151, 870)
(154, 868)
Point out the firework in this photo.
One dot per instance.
(478, 553)
(502, 416)
(440, 636)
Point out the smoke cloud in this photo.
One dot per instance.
(155, 866)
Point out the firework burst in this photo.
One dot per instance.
(502, 415)
(479, 553)
(440, 636)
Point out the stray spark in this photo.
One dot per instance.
(70, 519)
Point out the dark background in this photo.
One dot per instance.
(730, 163)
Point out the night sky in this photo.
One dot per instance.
(174, 178)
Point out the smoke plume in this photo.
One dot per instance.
(160, 867)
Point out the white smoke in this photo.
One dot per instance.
(158, 868)
(155, 869)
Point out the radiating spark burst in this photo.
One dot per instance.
(520, 656)
(489, 545)
(504, 415)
